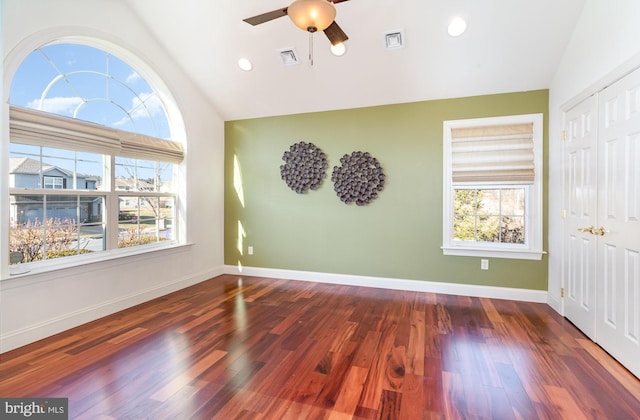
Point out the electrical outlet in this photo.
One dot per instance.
(250, 250)
(484, 264)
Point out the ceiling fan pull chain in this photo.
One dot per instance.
(311, 48)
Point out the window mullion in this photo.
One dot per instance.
(44, 227)
(111, 204)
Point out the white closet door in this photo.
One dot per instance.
(618, 266)
(580, 204)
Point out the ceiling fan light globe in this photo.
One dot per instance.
(339, 49)
(312, 15)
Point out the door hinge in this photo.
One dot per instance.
(564, 134)
(563, 214)
(562, 292)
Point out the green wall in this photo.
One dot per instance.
(399, 234)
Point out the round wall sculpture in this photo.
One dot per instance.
(304, 168)
(359, 179)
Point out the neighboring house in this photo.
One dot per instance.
(130, 184)
(26, 173)
(131, 204)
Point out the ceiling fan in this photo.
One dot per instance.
(308, 15)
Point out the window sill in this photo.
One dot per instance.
(493, 253)
(88, 261)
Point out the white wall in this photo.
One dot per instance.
(605, 45)
(38, 305)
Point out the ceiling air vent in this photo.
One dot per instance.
(394, 40)
(288, 57)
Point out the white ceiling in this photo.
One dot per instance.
(509, 46)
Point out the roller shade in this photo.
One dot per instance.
(29, 126)
(488, 154)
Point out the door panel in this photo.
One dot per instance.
(618, 273)
(610, 284)
(580, 183)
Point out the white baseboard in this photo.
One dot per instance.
(18, 338)
(526, 295)
(555, 303)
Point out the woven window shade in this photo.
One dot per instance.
(489, 154)
(139, 146)
(29, 126)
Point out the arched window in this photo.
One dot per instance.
(92, 163)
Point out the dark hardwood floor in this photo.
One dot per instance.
(257, 348)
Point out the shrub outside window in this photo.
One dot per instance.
(489, 215)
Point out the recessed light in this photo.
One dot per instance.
(457, 26)
(338, 49)
(245, 64)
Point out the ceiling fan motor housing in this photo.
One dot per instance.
(312, 15)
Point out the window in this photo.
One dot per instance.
(145, 203)
(489, 215)
(54, 182)
(493, 187)
(92, 166)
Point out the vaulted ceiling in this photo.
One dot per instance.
(509, 46)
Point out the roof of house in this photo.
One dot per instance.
(28, 166)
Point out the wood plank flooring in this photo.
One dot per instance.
(256, 348)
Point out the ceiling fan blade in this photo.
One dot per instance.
(335, 34)
(337, 1)
(266, 17)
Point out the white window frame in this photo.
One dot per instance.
(54, 184)
(532, 248)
